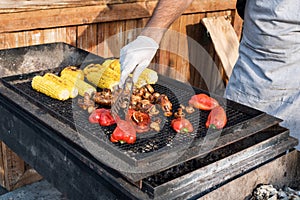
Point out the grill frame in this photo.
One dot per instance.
(257, 122)
(43, 130)
(43, 134)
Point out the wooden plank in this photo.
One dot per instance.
(224, 39)
(110, 38)
(2, 170)
(12, 167)
(237, 24)
(174, 48)
(46, 18)
(87, 38)
(182, 63)
(28, 177)
(27, 38)
(195, 31)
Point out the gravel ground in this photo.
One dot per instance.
(41, 190)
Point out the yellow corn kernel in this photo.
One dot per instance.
(116, 66)
(82, 86)
(50, 88)
(111, 74)
(102, 81)
(93, 77)
(73, 71)
(148, 76)
(63, 82)
(93, 68)
(107, 62)
(109, 84)
(106, 75)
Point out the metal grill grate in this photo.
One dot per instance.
(66, 110)
(150, 147)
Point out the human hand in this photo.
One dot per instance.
(136, 56)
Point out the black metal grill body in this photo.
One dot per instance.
(68, 124)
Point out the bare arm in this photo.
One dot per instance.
(165, 13)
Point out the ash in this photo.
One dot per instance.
(270, 192)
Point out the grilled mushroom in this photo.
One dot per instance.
(179, 113)
(166, 105)
(155, 124)
(149, 88)
(103, 98)
(86, 103)
(189, 109)
(153, 110)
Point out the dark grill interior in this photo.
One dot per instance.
(191, 165)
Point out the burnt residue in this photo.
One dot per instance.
(40, 57)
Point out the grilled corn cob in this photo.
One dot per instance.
(50, 88)
(73, 71)
(101, 80)
(107, 62)
(148, 76)
(82, 86)
(106, 75)
(64, 82)
(92, 68)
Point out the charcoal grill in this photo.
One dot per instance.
(162, 165)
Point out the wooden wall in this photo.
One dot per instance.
(101, 29)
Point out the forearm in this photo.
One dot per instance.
(165, 13)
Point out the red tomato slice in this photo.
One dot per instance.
(94, 117)
(182, 125)
(119, 135)
(203, 102)
(102, 116)
(217, 118)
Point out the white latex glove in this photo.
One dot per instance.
(136, 56)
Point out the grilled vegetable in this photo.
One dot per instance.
(102, 116)
(182, 125)
(86, 103)
(203, 102)
(141, 121)
(50, 88)
(107, 62)
(102, 81)
(104, 76)
(123, 136)
(63, 82)
(82, 86)
(103, 98)
(217, 118)
(107, 75)
(73, 71)
(148, 76)
(92, 68)
(165, 104)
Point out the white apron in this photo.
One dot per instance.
(267, 73)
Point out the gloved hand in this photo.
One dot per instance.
(136, 56)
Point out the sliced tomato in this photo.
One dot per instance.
(203, 102)
(182, 125)
(124, 136)
(102, 116)
(217, 118)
